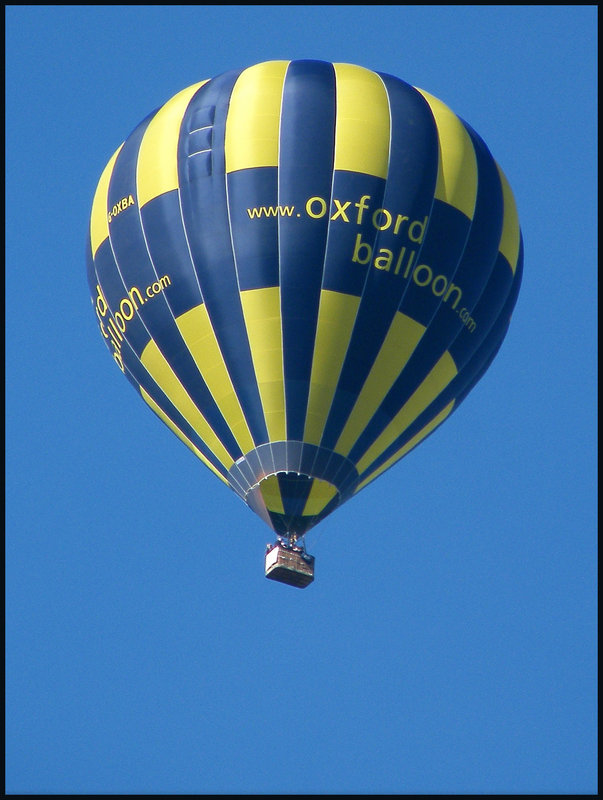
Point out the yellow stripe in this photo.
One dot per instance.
(509, 240)
(254, 114)
(320, 495)
(402, 338)
(437, 380)
(198, 333)
(457, 169)
(437, 420)
(262, 312)
(157, 165)
(272, 494)
(164, 417)
(99, 218)
(162, 374)
(336, 317)
(362, 132)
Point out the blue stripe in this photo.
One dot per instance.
(306, 151)
(297, 524)
(205, 212)
(277, 522)
(294, 491)
(409, 191)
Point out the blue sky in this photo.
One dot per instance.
(449, 642)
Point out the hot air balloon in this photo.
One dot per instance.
(303, 267)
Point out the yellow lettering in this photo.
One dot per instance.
(399, 220)
(127, 316)
(443, 279)
(101, 303)
(341, 210)
(362, 206)
(131, 294)
(417, 237)
(366, 248)
(115, 331)
(384, 261)
(119, 359)
(120, 321)
(388, 219)
(120, 206)
(453, 288)
(322, 206)
(420, 268)
(114, 339)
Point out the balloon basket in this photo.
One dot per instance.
(289, 564)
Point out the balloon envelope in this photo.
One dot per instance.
(303, 268)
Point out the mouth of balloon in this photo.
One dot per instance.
(293, 485)
(292, 503)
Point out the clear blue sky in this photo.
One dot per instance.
(449, 642)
